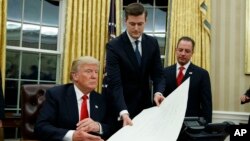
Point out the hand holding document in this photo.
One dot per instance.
(158, 123)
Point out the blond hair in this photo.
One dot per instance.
(82, 61)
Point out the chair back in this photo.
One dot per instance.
(32, 97)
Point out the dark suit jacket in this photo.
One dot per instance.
(129, 83)
(1, 104)
(59, 113)
(1, 99)
(199, 95)
(247, 94)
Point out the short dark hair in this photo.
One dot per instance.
(186, 38)
(135, 9)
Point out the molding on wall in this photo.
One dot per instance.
(235, 117)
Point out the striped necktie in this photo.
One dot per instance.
(137, 53)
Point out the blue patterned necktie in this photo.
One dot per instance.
(137, 53)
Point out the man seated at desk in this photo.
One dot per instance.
(75, 112)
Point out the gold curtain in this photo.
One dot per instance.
(86, 32)
(3, 14)
(191, 18)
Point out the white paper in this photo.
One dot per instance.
(158, 123)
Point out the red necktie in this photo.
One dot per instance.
(84, 108)
(180, 75)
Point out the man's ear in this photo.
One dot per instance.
(75, 76)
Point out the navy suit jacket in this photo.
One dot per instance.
(59, 113)
(248, 92)
(129, 83)
(199, 95)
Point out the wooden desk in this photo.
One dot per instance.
(11, 120)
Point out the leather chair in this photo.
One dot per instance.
(32, 97)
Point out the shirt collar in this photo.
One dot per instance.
(79, 93)
(132, 39)
(185, 66)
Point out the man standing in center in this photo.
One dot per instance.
(133, 62)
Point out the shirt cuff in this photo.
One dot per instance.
(69, 136)
(100, 128)
(159, 93)
(121, 113)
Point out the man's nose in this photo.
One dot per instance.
(136, 27)
(183, 52)
(94, 75)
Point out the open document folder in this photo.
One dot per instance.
(158, 123)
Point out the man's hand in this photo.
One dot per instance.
(88, 125)
(126, 120)
(244, 98)
(80, 135)
(158, 98)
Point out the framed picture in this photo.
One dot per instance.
(247, 47)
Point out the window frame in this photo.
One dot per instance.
(58, 53)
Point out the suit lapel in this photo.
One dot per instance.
(145, 52)
(127, 46)
(71, 104)
(189, 72)
(173, 74)
(94, 106)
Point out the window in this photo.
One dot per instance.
(156, 21)
(32, 52)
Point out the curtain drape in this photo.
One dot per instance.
(3, 14)
(86, 33)
(191, 18)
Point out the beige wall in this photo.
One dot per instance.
(227, 55)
